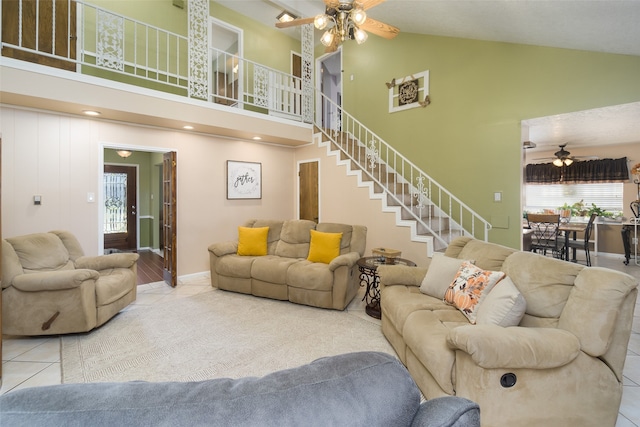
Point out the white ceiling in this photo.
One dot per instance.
(597, 25)
(611, 26)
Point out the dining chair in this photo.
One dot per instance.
(544, 236)
(584, 243)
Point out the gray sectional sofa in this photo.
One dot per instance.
(284, 273)
(354, 389)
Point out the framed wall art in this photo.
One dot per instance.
(244, 180)
(409, 92)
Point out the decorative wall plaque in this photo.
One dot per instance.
(409, 92)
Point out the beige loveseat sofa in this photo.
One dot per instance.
(284, 273)
(560, 365)
(49, 287)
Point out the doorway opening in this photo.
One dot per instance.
(132, 215)
(329, 80)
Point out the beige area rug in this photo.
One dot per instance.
(213, 334)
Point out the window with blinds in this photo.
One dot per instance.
(607, 196)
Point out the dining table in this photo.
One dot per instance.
(571, 230)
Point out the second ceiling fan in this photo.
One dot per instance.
(346, 20)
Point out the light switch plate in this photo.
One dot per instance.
(497, 196)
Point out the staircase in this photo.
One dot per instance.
(434, 215)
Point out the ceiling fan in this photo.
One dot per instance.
(349, 22)
(564, 157)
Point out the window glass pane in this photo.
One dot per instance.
(607, 196)
(115, 203)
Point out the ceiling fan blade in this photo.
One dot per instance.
(295, 22)
(332, 4)
(380, 28)
(368, 4)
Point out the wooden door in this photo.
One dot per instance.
(308, 177)
(120, 215)
(47, 26)
(169, 210)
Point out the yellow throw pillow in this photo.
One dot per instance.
(252, 241)
(324, 246)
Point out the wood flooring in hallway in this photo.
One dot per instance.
(149, 267)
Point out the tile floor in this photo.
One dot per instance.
(29, 362)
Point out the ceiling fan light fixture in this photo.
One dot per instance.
(557, 162)
(327, 38)
(360, 36)
(568, 162)
(358, 16)
(286, 16)
(321, 21)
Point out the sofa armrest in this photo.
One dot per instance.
(348, 260)
(492, 346)
(391, 275)
(53, 280)
(224, 248)
(105, 262)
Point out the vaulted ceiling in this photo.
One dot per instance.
(592, 25)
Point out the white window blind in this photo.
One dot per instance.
(607, 196)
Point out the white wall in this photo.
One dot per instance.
(59, 158)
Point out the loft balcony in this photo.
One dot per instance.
(69, 56)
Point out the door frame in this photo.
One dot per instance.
(318, 83)
(298, 163)
(100, 184)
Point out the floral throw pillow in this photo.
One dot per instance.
(469, 287)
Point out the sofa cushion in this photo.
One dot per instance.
(593, 307)
(310, 275)
(504, 305)
(544, 282)
(470, 286)
(425, 333)
(398, 302)
(324, 247)
(294, 238)
(487, 256)
(252, 241)
(41, 252)
(272, 269)
(235, 266)
(114, 285)
(440, 274)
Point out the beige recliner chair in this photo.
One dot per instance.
(49, 287)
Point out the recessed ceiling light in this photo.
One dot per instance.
(256, 138)
(91, 112)
(187, 127)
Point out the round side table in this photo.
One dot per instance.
(369, 278)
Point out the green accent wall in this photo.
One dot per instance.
(469, 138)
(263, 44)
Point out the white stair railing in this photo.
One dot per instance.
(436, 210)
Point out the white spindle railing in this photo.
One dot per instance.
(113, 43)
(435, 209)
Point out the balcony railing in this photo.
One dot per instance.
(89, 39)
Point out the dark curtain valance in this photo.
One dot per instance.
(604, 170)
